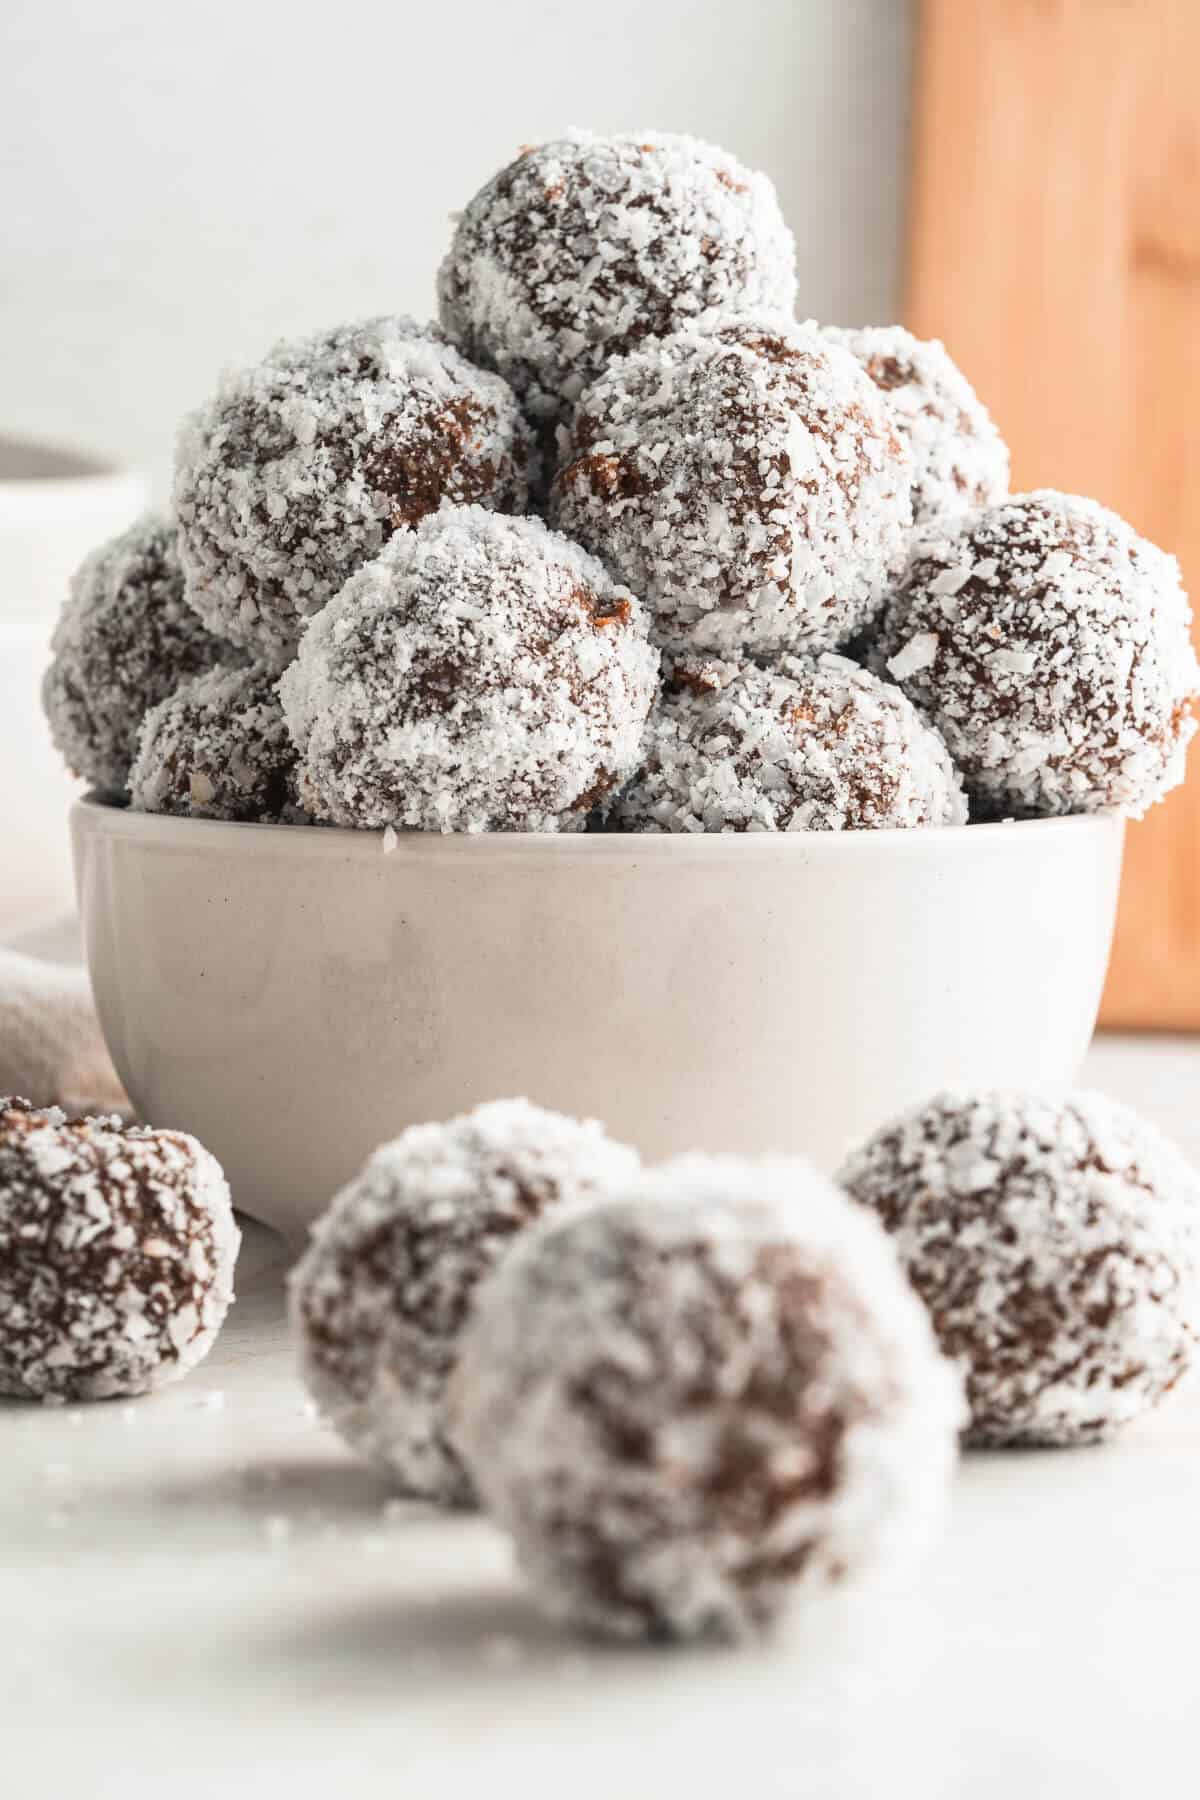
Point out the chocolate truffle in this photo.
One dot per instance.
(959, 459)
(381, 1296)
(804, 744)
(124, 641)
(1057, 1246)
(302, 467)
(747, 483)
(711, 1389)
(482, 674)
(219, 749)
(1050, 645)
(584, 246)
(117, 1247)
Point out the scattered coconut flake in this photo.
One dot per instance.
(919, 653)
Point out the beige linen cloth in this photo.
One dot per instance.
(51, 1050)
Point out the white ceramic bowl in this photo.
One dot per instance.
(55, 506)
(293, 996)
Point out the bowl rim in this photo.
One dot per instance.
(49, 463)
(92, 813)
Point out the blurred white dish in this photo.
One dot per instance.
(55, 505)
(295, 995)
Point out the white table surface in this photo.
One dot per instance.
(203, 1595)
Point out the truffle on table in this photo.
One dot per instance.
(1050, 645)
(117, 1249)
(218, 748)
(125, 640)
(381, 1296)
(482, 674)
(747, 482)
(959, 459)
(303, 466)
(1057, 1246)
(585, 245)
(801, 744)
(708, 1391)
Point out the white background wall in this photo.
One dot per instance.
(181, 181)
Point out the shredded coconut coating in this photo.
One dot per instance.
(219, 749)
(584, 246)
(804, 744)
(959, 459)
(482, 674)
(303, 467)
(124, 640)
(747, 482)
(117, 1248)
(381, 1297)
(712, 1389)
(1057, 1246)
(1050, 645)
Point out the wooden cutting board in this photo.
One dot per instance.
(1054, 245)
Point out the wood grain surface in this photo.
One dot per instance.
(1055, 247)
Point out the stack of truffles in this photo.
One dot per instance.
(618, 545)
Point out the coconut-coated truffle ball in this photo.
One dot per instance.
(1056, 1243)
(303, 466)
(482, 674)
(803, 744)
(219, 749)
(117, 1247)
(380, 1298)
(714, 1387)
(747, 483)
(1050, 645)
(584, 246)
(959, 459)
(124, 641)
